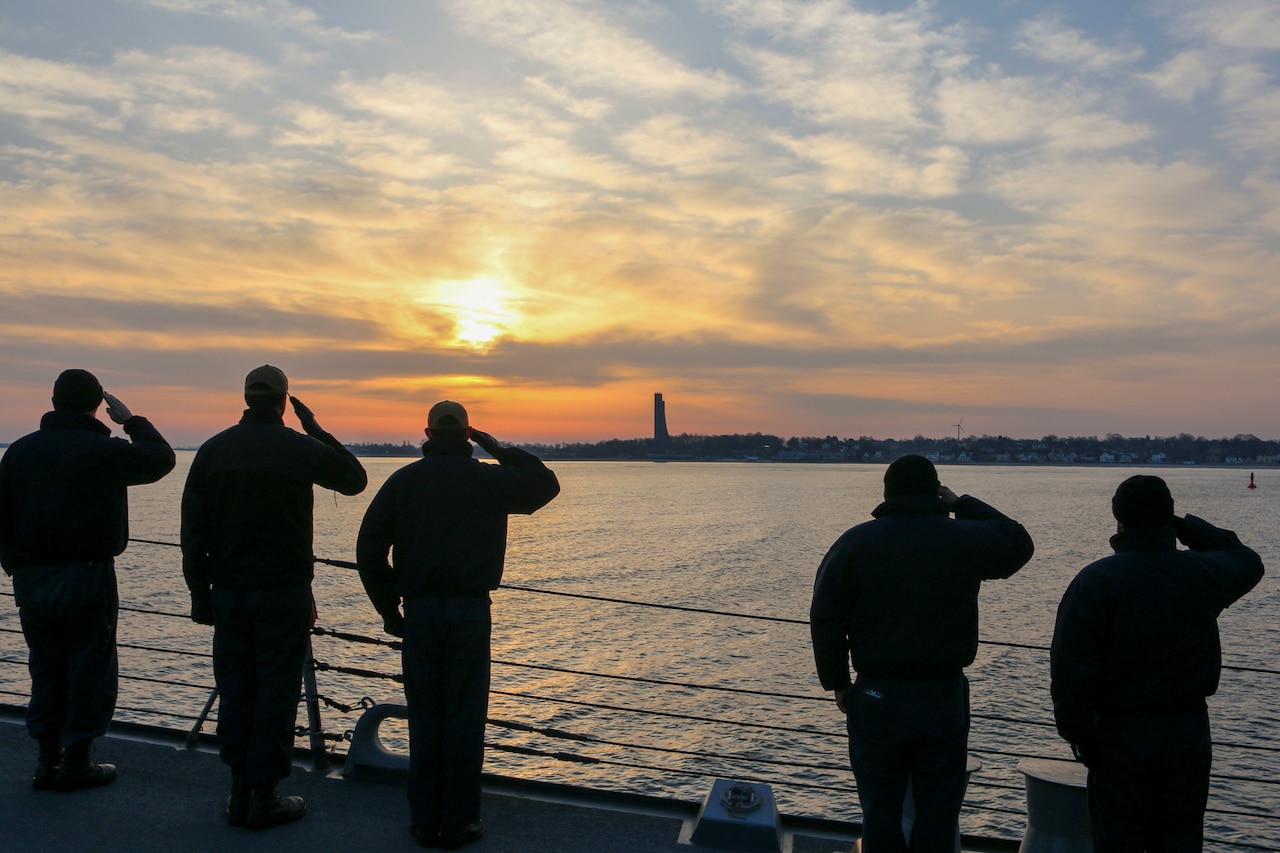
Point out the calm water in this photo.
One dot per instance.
(746, 539)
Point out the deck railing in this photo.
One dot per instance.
(548, 743)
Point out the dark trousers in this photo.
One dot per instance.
(68, 615)
(915, 731)
(260, 641)
(1149, 783)
(446, 683)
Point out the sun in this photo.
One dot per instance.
(483, 309)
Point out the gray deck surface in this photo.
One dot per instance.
(169, 798)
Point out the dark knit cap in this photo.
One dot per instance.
(1143, 501)
(911, 475)
(78, 390)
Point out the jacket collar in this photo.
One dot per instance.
(436, 448)
(914, 504)
(261, 416)
(1145, 539)
(67, 419)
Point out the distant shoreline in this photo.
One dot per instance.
(1184, 451)
(1242, 466)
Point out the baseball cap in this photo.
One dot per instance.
(447, 415)
(266, 380)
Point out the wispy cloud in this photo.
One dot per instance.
(580, 44)
(1049, 39)
(279, 15)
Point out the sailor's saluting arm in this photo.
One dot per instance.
(1006, 544)
(533, 484)
(1237, 567)
(147, 457)
(342, 472)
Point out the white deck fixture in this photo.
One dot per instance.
(738, 816)
(1057, 807)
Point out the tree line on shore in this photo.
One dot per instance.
(1183, 449)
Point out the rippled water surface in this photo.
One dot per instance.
(745, 539)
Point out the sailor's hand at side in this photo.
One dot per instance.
(393, 624)
(1083, 752)
(306, 417)
(116, 410)
(842, 696)
(202, 608)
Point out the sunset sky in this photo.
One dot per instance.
(801, 218)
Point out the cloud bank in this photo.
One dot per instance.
(811, 217)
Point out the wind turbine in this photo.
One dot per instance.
(959, 429)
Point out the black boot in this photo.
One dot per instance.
(48, 763)
(267, 808)
(238, 799)
(462, 837)
(78, 770)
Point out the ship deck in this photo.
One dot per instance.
(169, 796)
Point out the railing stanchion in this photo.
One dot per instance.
(311, 695)
(193, 736)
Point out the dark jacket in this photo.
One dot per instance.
(63, 495)
(247, 506)
(444, 518)
(899, 595)
(1137, 632)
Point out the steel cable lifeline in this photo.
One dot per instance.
(560, 734)
(347, 564)
(562, 756)
(593, 739)
(555, 733)
(320, 666)
(395, 644)
(399, 678)
(1246, 845)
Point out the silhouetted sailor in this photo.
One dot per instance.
(247, 559)
(898, 596)
(1135, 654)
(444, 518)
(63, 520)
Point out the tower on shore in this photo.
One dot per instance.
(661, 438)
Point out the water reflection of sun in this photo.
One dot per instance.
(482, 309)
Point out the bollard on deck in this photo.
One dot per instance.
(1057, 807)
(738, 816)
(367, 758)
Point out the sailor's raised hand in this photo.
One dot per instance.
(487, 442)
(116, 410)
(306, 417)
